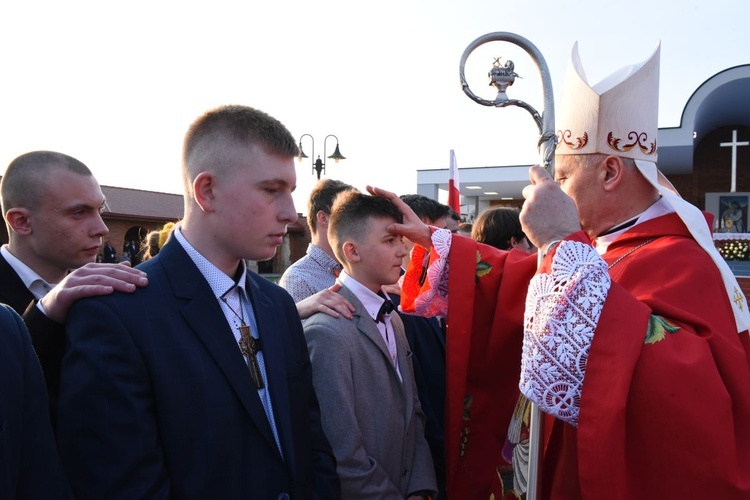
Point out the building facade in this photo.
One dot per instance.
(697, 156)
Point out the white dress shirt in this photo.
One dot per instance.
(372, 303)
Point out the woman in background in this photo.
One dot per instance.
(156, 239)
(501, 228)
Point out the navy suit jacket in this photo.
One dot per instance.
(427, 341)
(156, 400)
(29, 466)
(47, 336)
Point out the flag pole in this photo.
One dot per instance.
(454, 188)
(501, 77)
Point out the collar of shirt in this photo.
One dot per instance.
(659, 208)
(31, 280)
(324, 260)
(370, 301)
(219, 282)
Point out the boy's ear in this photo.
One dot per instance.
(203, 191)
(19, 220)
(322, 218)
(350, 251)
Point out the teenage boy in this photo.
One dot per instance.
(199, 385)
(362, 367)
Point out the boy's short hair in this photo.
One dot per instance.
(426, 208)
(350, 214)
(212, 135)
(23, 184)
(321, 199)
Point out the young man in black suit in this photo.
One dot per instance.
(52, 209)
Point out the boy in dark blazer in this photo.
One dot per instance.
(362, 367)
(199, 385)
(29, 466)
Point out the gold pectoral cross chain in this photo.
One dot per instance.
(250, 346)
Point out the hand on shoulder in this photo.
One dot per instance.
(90, 280)
(327, 301)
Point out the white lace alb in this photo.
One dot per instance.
(562, 311)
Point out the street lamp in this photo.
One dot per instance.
(318, 165)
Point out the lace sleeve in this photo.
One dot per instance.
(562, 311)
(434, 302)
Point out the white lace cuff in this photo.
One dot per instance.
(434, 302)
(562, 311)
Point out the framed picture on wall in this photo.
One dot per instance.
(732, 214)
(721, 206)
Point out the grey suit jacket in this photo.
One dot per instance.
(373, 421)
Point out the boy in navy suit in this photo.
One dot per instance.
(29, 466)
(199, 385)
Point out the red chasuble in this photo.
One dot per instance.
(487, 290)
(665, 407)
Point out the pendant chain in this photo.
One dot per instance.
(249, 346)
(241, 315)
(629, 252)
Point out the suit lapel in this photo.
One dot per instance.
(403, 355)
(367, 327)
(203, 314)
(12, 291)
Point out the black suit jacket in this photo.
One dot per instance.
(29, 467)
(427, 341)
(12, 290)
(156, 400)
(47, 336)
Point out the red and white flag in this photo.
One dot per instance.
(454, 194)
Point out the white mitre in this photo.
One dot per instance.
(594, 119)
(619, 116)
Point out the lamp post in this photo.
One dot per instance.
(501, 77)
(318, 165)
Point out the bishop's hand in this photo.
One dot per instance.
(548, 214)
(412, 227)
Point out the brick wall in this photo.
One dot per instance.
(119, 228)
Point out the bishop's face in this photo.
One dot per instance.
(582, 183)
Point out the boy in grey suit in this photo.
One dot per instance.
(362, 367)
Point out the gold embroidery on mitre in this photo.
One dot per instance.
(564, 137)
(636, 139)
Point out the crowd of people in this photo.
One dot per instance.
(399, 358)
